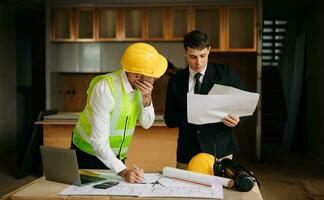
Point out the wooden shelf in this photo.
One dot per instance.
(229, 28)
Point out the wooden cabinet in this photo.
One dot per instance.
(107, 22)
(70, 24)
(209, 21)
(155, 23)
(179, 22)
(63, 23)
(230, 28)
(241, 29)
(85, 24)
(133, 24)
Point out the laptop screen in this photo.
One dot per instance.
(60, 165)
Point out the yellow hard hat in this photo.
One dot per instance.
(202, 163)
(142, 58)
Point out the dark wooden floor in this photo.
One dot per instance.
(288, 176)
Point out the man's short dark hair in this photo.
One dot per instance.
(196, 40)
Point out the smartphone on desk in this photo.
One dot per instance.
(106, 184)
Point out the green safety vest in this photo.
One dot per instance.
(123, 117)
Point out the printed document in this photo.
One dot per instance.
(221, 100)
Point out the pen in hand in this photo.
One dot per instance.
(136, 167)
(139, 172)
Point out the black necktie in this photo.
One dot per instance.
(198, 83)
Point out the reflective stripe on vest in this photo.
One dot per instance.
(123, 117)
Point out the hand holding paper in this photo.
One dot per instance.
(220, 101)
(231, 120)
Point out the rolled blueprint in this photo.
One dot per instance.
(197, 178)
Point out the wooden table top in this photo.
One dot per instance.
(42, 189)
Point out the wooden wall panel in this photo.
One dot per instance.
(75, 90)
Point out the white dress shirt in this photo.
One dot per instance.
(192, 80)
(102, 103)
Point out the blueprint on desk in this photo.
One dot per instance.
(167, 188)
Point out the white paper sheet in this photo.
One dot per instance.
(188, 191)
(220, 101)
(169, 188)
(122, 189)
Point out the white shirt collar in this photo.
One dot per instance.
(192, 73)
(127, 86)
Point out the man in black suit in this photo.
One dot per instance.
(199, 78)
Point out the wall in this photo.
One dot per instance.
(8, 95)
(308, 17)
(314, 72)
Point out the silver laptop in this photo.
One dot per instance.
(61, 165)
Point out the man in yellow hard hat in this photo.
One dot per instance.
(114, 104)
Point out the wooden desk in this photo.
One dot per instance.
(42, 189)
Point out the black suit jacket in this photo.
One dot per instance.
(194, 139)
